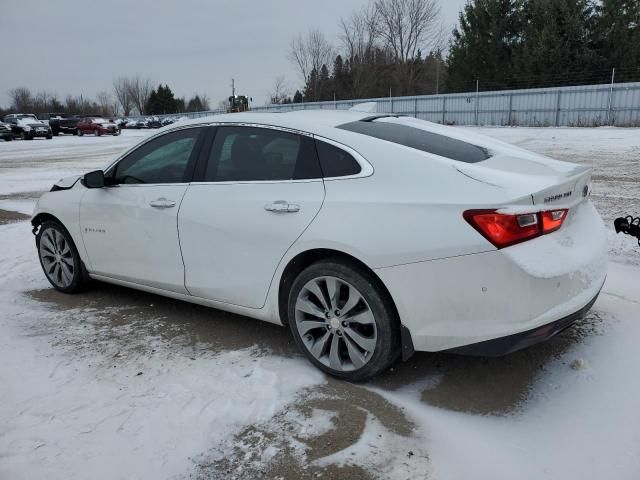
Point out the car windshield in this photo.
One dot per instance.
(100, 120)
(28, 120)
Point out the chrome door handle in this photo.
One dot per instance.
(162, 203)
(281, 206)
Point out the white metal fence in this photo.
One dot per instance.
(578, 106)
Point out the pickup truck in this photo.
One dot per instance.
(62, 123)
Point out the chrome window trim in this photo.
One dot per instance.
(147, 140)
(366, 169)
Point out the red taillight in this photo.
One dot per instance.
(552, 220)
(504, 229)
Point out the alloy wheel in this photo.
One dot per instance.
(57, 258)
(335, 323)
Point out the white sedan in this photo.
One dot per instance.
(370, 236)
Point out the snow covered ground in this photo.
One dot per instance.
(114, 384)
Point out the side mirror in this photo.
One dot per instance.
(94, 179)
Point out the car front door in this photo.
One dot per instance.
(252, 197)
(129, 227)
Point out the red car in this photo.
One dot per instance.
(97, 126)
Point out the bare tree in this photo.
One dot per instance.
(21, 99)
(139, 91)
(79, 104)
(359, 40)
(310, 52)
(121, 93)
(105, 103)
(406, 26)
(279, 91)
(206, 102)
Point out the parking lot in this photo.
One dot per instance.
(115, 383)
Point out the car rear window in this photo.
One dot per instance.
(335, 162)
(420, 140)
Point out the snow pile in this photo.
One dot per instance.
(69, 412)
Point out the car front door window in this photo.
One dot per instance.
(162, 160)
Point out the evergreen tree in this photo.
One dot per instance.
(618, 37)
(556, 46)
(297, 98)
(325, 87)
(311, 93)
(483, 43)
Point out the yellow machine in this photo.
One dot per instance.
(238, 103)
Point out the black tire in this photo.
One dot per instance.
(80, 278)
(8, 138)
(49, 137)
(387, 323)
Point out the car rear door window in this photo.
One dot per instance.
(335, 162)
(419, 139)
(243, 154)
(162, 160)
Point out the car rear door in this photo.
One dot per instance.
(130, 229)
(253, 195)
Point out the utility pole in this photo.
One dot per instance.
(233, 87)
(477, 95)
(613, 76)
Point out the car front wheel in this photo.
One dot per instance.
(343, 320)
(59, 258)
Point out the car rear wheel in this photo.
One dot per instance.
(343, 320)
(8, 138)
(59, 258)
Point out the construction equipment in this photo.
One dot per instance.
(238, 103)
(628, 225)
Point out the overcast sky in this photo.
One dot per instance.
(79, 46)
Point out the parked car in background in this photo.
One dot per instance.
(61, 123)
(154, 122)
(97, 126)
(167, 121)
(142, 123)
(27, 126)
(369, 235)
(5, 132)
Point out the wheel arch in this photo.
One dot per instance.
(42, 217)
(302, 260)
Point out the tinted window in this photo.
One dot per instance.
(420, 140)
(162, 160)
(335, 162)
(250, 154)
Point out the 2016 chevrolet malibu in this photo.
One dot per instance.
(370, 236)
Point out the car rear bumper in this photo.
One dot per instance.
(471, 299)
(512, 343)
